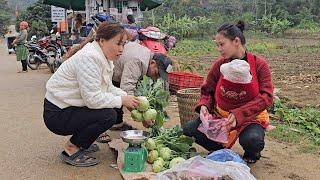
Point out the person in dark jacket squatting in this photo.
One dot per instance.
(238, 89)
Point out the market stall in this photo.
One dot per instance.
(117, 8)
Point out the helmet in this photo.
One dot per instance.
(24, 24)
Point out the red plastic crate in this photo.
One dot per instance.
(183, 80)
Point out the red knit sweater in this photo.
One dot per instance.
(246, 113)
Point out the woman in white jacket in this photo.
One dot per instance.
(80, 98)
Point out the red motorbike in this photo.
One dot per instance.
(44, 42)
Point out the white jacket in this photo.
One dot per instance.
(85, 80)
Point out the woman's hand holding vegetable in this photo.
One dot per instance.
(130, 102)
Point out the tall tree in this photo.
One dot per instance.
(4, 16)
(37, 14)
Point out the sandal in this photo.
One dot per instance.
(93, 148)
(103, 138)
(251, 160)
(122, 127)
(78, 159)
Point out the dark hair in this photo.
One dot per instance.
(131, 19)
(106, 30)
(79, 17)
(160, 57)
(232, 31)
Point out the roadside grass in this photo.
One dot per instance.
(296, 125)
(295, 135)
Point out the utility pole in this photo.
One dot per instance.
(153, 18)
(265, 7)
(256, 8)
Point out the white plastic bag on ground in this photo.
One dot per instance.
(198, 168)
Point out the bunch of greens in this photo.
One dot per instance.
(168, 147)
(143, 111)
(174, 139)
(157, 96)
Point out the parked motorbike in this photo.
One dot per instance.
(38, 56)
(60, 51)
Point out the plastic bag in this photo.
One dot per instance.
(224, 155)
(215, 129)
(203, 169)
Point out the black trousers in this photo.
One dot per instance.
(24, 65)
(84, 124)
(251, 139)
(119, 111)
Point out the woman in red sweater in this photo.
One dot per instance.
(242, 105)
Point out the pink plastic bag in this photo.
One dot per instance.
(201, 168)
(215, 129)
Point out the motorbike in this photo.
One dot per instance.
(48, 50)
(60, 51)
(38, 56)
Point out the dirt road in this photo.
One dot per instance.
(29, 151)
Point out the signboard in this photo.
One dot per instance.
(57, 14)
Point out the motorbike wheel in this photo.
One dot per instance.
(50, 63)
(56, 65)
(32, 62)
(51, 67)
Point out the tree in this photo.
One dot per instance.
(4, 16)
(282, 13)
(21, 4)
(38, 28)
(38, 14)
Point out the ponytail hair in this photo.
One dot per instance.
(106, 30)
(232, 31)
(241, 25)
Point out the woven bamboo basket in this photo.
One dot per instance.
(187, 100)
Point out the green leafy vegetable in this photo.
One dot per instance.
(137, 116)
(152, 156)
(150, 144)
(165, 153)
(150, 114)
(157, 96)
(176, 161)
(143, 104)
(157, 166)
